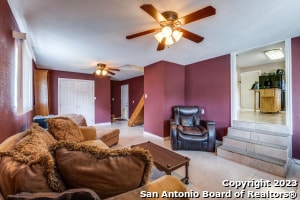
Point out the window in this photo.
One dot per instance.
(23, 78)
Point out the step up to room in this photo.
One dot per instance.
(262, 162)
(259, 145)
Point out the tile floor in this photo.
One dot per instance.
(274, 118)
(208, 171)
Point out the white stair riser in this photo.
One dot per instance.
(261, 126)
(252, 162)
(262, 137)
(257, 148)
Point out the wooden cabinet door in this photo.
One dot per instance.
(41, 92)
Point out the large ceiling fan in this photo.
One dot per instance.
(102, 70)
(170, 24)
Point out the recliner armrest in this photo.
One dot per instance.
(173, 134)
(210, 125)
(207, 122)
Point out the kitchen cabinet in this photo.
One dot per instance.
(270, 100)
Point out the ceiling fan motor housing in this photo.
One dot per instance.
(172, 19)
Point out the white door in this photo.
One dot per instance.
(76, 96)
(124, 102)
(247, 95)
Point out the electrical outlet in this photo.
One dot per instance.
(202, 111)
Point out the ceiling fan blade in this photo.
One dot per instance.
(114, 69)
(161, 45)
(200, 14)
(140, 34)
(110, 72)
(151, 10)
(191, 36)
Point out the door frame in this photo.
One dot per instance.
(126, 115)
(288, 79)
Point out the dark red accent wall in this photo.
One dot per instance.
(115, 98)
(102, 93)
(10, 122)
(164, 88)
(207, 85)
(296, 97)
(135, 92)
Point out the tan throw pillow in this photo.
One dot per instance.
(107, 172)
(29, 166)
(63, 128)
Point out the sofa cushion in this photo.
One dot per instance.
(63, 128)
(29, 166)
(77, 118)
(74, 194)
(107, 172)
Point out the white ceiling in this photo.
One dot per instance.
(74, 35)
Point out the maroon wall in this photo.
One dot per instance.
(296, 97)
(102, 93)
(164, 88)
(10, 122)
(115, 91)
(135, 92)
(207, 85)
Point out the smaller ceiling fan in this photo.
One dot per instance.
(169, 22)
(102, 70)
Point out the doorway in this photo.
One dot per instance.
(238, 66)
(124, 102)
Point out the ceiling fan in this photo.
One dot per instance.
(170, 25)
(102, 70)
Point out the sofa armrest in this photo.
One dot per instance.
(88, 132)
(79, 193)
(159, 187)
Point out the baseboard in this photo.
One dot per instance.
(103, 124)
(156, 136)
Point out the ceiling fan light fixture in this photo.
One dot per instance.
(98, 72)
(166, 31)
(159, 36)
(169, 40)
(177, 35)
(104, 72)
(274, 54)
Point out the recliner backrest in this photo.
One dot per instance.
(186, 115)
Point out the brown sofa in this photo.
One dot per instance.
(68, 162)
(110, 136)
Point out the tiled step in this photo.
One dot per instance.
(256, 146)
(261, 126)
(259, 145)
(262, 162)
(276, 138)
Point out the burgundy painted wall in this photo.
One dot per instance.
(135, 92)
(10, 122)
(164, 87)
(102, 93)
(296, 97)
(115, 98)
(207, 85)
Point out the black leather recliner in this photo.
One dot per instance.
(188, 132)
